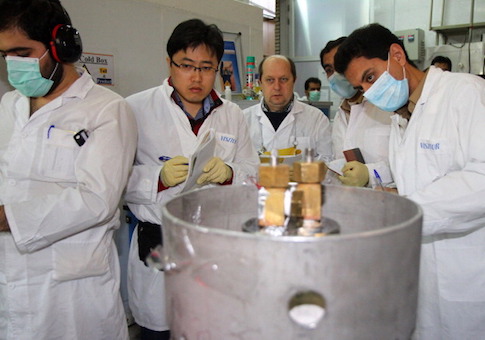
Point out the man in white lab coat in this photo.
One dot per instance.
(357, 124)
(437, 160)
(312, 90)
(66, 148)
(280, 121)
(172, 118)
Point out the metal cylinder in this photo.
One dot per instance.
(222, 283)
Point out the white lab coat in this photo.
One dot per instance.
(59, 269)
(164, 130)
(308, 124)
(368, 129)
(438, 161)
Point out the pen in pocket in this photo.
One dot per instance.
(167, 158)
(49, 131)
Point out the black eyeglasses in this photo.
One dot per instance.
(187, 68)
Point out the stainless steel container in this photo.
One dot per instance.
(224, 284)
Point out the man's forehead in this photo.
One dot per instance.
(15, 38)
(197, 51)
(355, 71)
(274, 62)
(328, 57)
(361, 64)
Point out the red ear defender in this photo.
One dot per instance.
(53, 44)
(66, 44)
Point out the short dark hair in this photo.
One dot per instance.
(194, 33)
(371, 41)
(290, 61)
(442, 59)
(330, 46)
(37, 18)
(312, 80)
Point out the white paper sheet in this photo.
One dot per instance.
(337, 165)
(203, 153)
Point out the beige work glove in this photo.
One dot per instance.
(215, 171)
(355, 174)
(174, 171)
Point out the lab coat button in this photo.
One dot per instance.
(12, 182)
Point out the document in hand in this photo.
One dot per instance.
(202, 154)
(336, 166)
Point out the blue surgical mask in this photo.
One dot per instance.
(388, 93)
(341, 86)
(24, 74)
(314, 96)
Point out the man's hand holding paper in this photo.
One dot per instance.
(174, 171)
(355, 174)
(215, 171)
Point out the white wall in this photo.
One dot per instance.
(409, 14)
(136, 33)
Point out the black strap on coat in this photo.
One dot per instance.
(149, 236)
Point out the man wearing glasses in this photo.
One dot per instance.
(171, 120)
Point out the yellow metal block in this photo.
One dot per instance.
(313, 172)
(274, 176)
(274, 209)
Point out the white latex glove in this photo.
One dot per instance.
(355, 174)
(215, 171)
(174, 171)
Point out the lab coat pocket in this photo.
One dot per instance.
(376, 143)
(59, 151)
(460, 272)
(76, 260)
(303, 143)
(226, 146)
(438, 156)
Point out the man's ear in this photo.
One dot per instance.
(168, 62)
(397, 52)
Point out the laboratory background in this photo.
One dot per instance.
(133, 33)
(130, 37)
